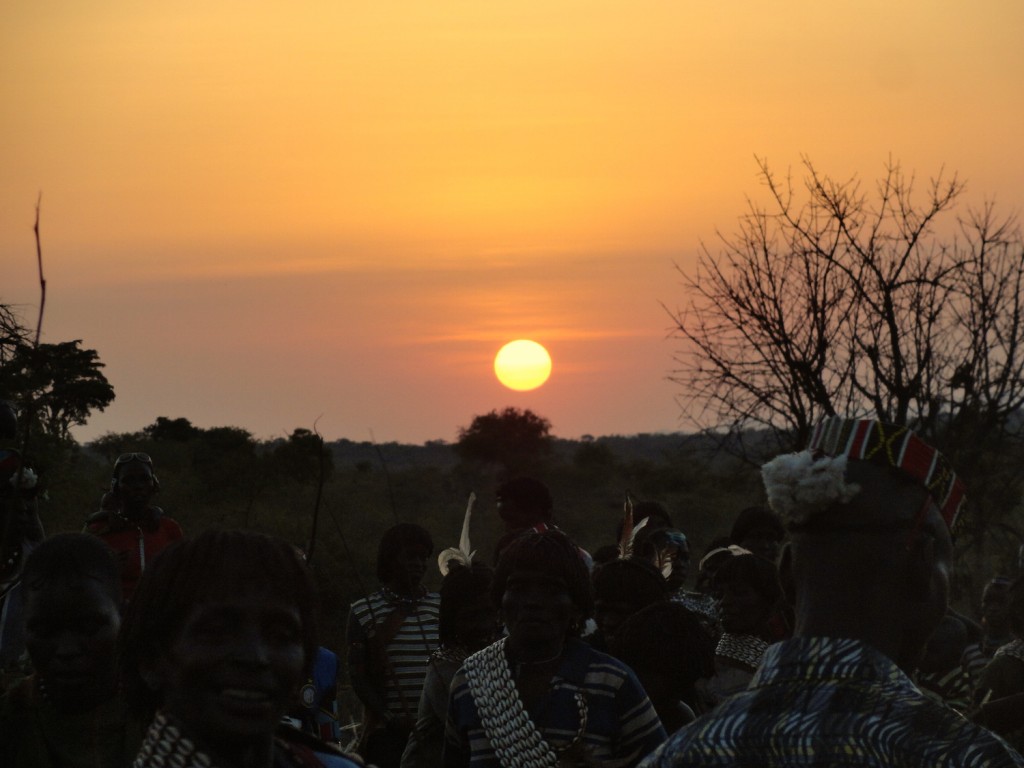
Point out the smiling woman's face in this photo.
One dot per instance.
(70, 631)
(233, 669)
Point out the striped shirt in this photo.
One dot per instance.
(408, 651)
(819, 701)
(621, 724)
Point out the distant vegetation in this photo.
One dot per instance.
(224, 477)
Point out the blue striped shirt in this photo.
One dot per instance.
(622, 725)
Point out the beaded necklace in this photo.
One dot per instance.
(744, 649)
(514, 736)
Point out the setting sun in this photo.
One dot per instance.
(522, 365)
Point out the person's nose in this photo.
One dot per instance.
(69, 645)
(251, 647)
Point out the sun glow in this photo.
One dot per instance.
(522, 365)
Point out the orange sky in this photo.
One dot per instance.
(264, 213)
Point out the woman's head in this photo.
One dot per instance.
(759, 530)
(468, 617)
(402, 555)
(668, 647)
(220, 634)
(623, 587)
(72, 588)
(134, 482)
(542, 562)
(523, 502)
(750, 593)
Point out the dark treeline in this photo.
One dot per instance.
(224, 477)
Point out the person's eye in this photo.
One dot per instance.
(284, 632)
(92, 625)
(211, 630)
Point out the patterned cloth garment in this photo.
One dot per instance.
(409, 650)
(975, 658)
(819, 701)
(952, 688)
(165, 746)
(620, 725)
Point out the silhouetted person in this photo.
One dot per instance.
(750, 597)
(20, 531)
(217, 641)
(391, 635)
(995, 621)
(468, 622)
(621, 588)
(758, 530)
(136, 530)
(541, 696)
(1003, 677)
(939, 673)
(868, 508)
(68, 713)
(670, 650)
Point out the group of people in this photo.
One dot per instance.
(817, 634)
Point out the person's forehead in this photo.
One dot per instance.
(535, 574)
(256, 601)
(135, 468)
(75, 595)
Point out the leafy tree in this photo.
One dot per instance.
(516, 439)
(61, 384)
(303, 458)
(177, 430)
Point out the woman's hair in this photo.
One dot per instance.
(394, 540)
(756, 518)
(73, 555)
(632, 581)
(760, 574)
(530, 495)
(192, 571)
(667, 639)
(461, 587)
(553, 554)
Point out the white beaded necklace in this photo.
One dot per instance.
(514, 736)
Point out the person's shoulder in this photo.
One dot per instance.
(680, 749)
(100, 522)
(588, 654)
(368, 603)
(170, 527)
(311, 752)
(21, 695)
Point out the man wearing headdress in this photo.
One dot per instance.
(868, 508)
(136, 530)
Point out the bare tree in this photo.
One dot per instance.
(885, 303)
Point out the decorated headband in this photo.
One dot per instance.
(799, 483)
